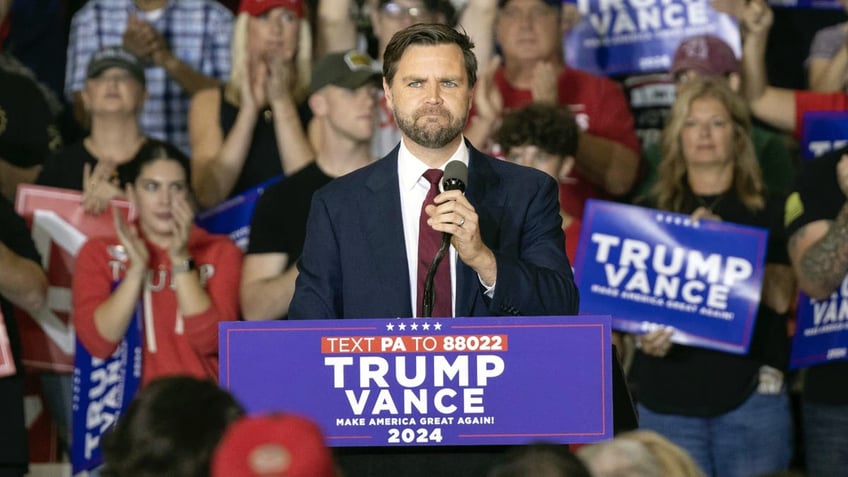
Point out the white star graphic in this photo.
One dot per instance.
(402, 326)
(413, 326)
(390, 327)
(425, 326)
(437, 326)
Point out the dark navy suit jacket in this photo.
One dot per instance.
(354, 259)
(354, 265)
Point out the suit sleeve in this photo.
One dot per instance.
(317, 293)
(539, 280)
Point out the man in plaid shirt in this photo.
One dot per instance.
(184, 44)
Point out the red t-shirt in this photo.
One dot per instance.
(810, 101)
(600, 108)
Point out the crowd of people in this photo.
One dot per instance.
(180, 105)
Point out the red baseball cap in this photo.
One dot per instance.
(258, 7)
(275, 445)
(706, 54)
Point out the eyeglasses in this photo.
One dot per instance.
(396, 11)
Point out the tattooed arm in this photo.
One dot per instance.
(819, 250)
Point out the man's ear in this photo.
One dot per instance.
(566, 167)
(318, 104)
(387, 92)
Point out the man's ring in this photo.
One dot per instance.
(461, 221)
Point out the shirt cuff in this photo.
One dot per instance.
(489, 291)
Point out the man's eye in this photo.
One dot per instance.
(151, 186)
(414, 84)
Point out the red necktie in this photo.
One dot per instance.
(429, 241)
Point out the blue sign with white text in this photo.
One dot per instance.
(823, 132)
(647, 268)
(821, 330)
(428, 382)
(102, 391)
(618, 37)
(232, 217)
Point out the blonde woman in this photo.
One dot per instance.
(249, 130)
(710, 403)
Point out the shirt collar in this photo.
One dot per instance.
(410, 168)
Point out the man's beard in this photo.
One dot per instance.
(430, 135)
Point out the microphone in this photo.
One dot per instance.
(454, 178)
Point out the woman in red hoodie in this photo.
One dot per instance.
(185, 279)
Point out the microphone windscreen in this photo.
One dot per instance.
(456, 176)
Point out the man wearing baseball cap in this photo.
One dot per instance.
(710, 56)
(343, 98)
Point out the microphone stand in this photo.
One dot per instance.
(429, 294)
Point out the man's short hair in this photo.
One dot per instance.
(552, 129)
(428, 34)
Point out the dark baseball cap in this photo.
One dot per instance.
(115, 57)
(346, 69)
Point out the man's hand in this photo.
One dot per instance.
(455, 215)
(757, 18)
(488, 101)
(656, 343)
(141, 39)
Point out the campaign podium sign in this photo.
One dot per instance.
(821, 329)
(428, 382)
(648, 268)
(632, 37)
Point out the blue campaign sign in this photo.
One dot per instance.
(647, 268)
(407, 381)
(617, 37)
(821, 330)
(823, 132)
(232, 217)
(817, 4)
(102, 391)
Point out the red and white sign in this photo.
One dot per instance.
(59, 227)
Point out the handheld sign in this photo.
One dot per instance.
(402, 382)
(232, 217)
(647, 268)
(638, 36)
(822, 132)
(59, 228)
(821, 329)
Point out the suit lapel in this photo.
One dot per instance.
(485, 193)
(383, 225)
